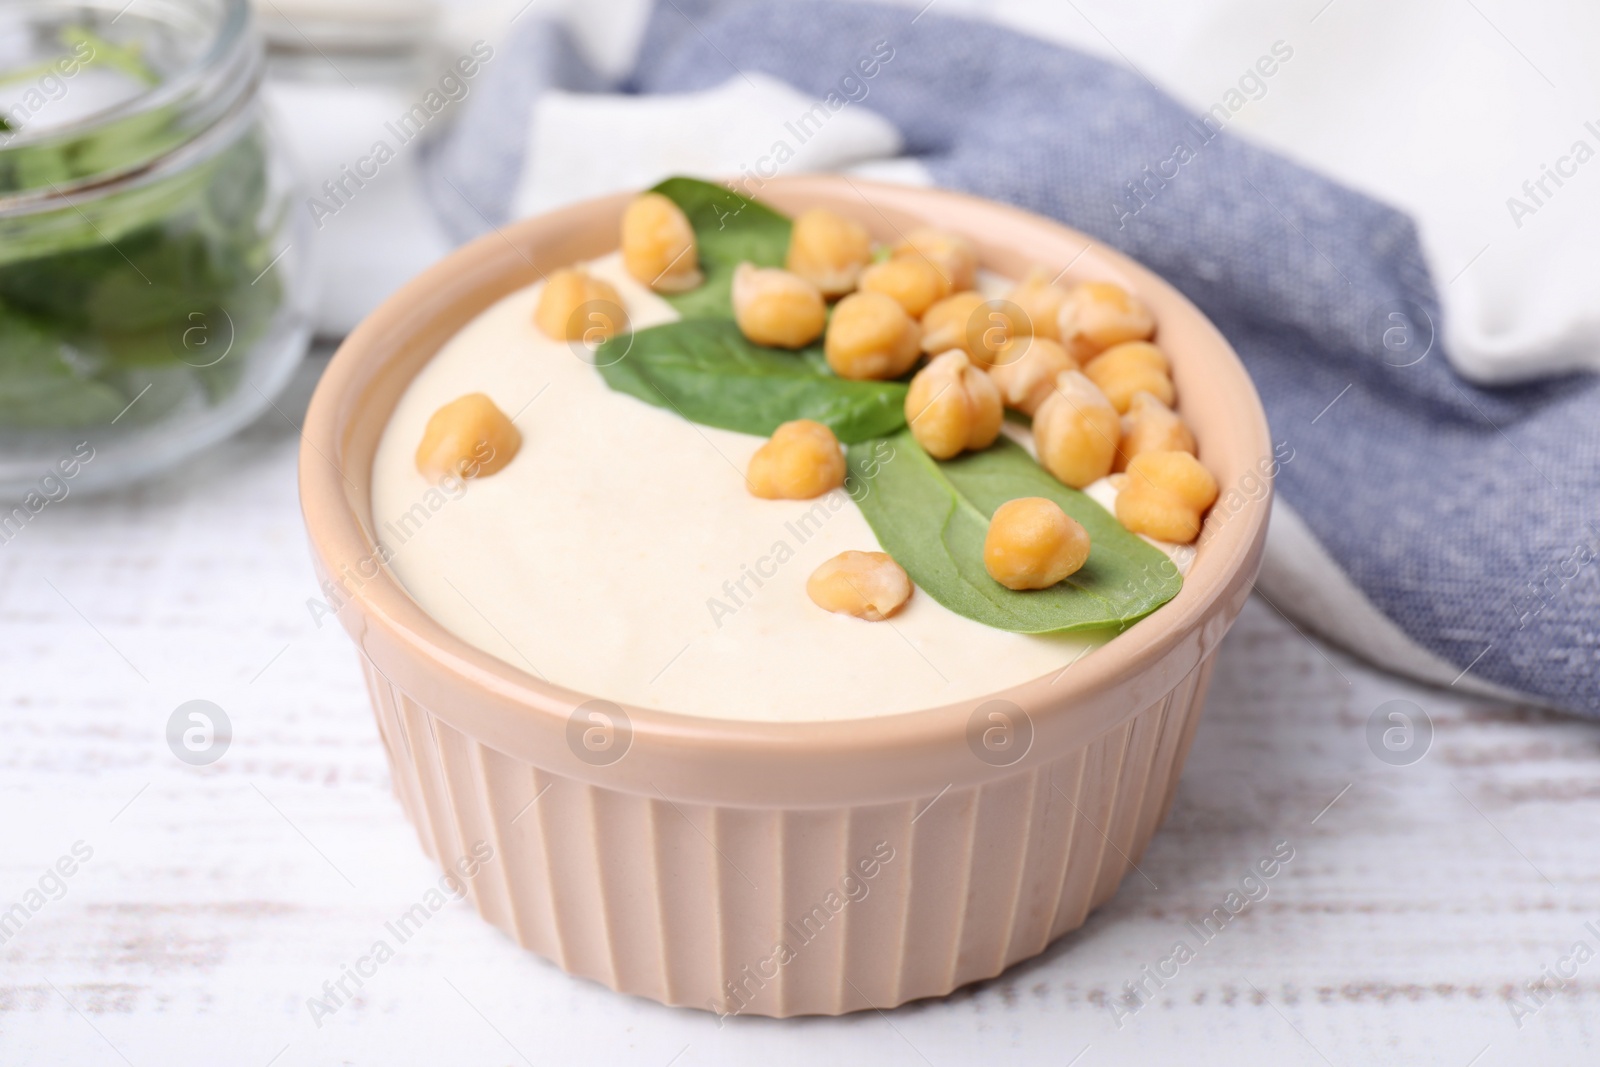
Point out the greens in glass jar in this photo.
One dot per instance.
(140, 292)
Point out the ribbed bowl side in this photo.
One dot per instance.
(790, 912)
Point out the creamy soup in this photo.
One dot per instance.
(619, 553)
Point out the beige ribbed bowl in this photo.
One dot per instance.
(781, 869)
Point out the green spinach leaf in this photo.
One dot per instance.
(706, 371)
(730, 230)
(932, 518)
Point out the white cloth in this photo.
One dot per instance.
(385, 233)
(588, 144)
(1439, 107)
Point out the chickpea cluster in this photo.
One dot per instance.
(877, 330)
(1080, 360)
(917, 302)
(886, 313)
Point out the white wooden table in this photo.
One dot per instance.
(218, 899)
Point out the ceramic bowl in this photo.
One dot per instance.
(781, 868)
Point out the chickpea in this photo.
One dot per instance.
(914, 283)
(1125, 369)
(1075, 431)
(1033, 544)
(952, 406)
(829, 251)
(1096, 315)
(800, 460)
(774, 307)
(871, 337)
(966, 321)
(1026, 368)
(1151, 426)
(563, 316)
(1040, 300)
(953, 254)
(658, 245)
(868, 585)
(1165, 495)
(468, 438)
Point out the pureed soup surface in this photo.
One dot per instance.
(619, 553)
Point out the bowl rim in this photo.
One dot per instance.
(1096, 693)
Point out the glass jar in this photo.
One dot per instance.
(153, 277)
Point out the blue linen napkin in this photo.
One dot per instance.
(1469, 516)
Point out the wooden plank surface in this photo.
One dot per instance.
(1418, 903)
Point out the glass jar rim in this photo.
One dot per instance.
(201, 94)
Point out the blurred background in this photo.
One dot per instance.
(1435, 107)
